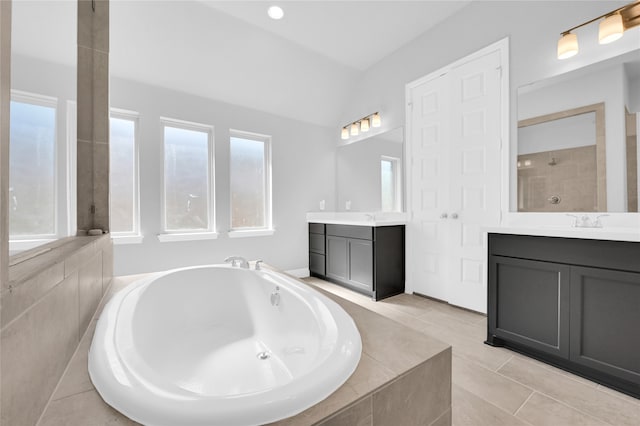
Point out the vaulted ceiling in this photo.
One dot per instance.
(304, 66)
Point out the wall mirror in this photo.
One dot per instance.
(369, 173)
(42, 122)
(577, 140)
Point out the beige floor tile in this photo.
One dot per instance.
(557, 370)
(500, 391)
(76, 378)
(86, 409)
(541, 410)
(582, 397)
(619, 394)
(471, 410)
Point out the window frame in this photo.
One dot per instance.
(25, 242)
(267, 229)
(168, 235)
(396, 165)
(134, 236)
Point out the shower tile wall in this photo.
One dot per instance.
(570, 174)
(47, 306)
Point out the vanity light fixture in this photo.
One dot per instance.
(362, 125)
(611, 28)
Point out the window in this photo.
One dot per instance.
(188, 178)
(390, 184)
(33, 168)
(250, 181)
(123, 175)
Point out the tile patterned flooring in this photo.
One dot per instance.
(495, 386)
(491, 386)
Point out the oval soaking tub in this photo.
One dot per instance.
(220, 345)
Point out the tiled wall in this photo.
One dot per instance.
(422, 396)
(93, 114)
(47, 305)
(570, 174)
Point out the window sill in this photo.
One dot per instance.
(251, 233)
(187, 236)
(126, 239)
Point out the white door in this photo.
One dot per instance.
(455, 184)
(427, 231)
(475, 166)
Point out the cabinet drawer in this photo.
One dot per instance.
(350, 231)
(316, 228)
(316, 243)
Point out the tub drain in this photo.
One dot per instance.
(263, 355)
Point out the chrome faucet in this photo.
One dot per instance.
(237, 261)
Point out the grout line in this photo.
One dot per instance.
(601, 419)
(504, 363)
(524, 403)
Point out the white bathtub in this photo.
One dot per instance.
(206, 346)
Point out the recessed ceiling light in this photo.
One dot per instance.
(275, 12)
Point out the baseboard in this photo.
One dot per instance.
(299, 273)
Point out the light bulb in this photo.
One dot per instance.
(275, 12)
(354, 129)
(567, 46)
(376, 121)
(345, 134)
(364, 125)
(610, 29)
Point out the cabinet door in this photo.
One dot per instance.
(361, 263)
(336, 257)
(605, 321)
(529, 303)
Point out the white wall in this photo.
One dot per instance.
(358, 173)
(533, 28)
(303, 158)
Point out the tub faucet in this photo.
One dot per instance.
(237, 261)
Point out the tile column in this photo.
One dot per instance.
(93, 115)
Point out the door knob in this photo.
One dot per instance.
(454, 215)
(444, 216)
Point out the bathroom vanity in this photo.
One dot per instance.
(570, 301)
(365, 256)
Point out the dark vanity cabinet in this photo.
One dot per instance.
(364, 258)
(571, 302)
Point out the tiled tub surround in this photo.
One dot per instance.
(47, 306)
(403, 378)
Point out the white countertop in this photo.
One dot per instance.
(358, 218)
(613, 234)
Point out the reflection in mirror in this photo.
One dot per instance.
(563, 162)
(369, 173)
(42, 122)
